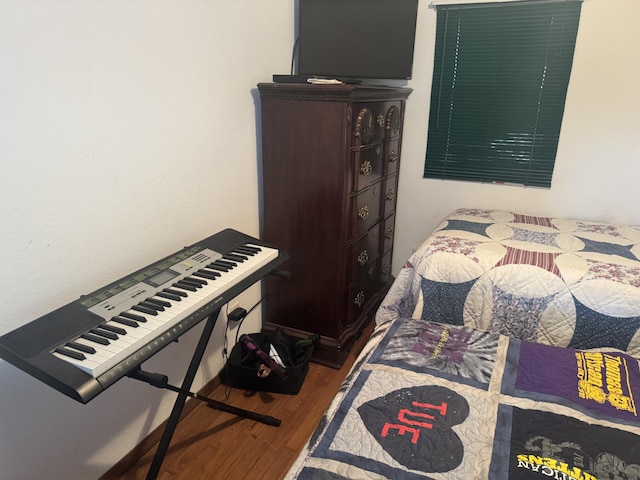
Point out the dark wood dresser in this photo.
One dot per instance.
(330, 159)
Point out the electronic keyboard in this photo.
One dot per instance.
(85, 346)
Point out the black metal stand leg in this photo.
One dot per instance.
(224, 407)
(172, 423)
(160, 381)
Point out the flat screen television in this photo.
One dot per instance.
(360, 39)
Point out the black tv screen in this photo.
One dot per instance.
(356, 38)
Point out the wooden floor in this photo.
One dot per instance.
(209, 444)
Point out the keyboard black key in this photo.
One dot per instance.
(81, 346)
(125, 321)
(70, 353)
(133, 316)
(185, 286)
(207, 275)
(194, 280)
(241, 251)
(186, 281)
(234, 257)
(114, 329)
(152, 306)
(142, 309)
(220, 268)
(104, 333)
(157, 301)
(248, 250)
(175, 292)
(226, 263)
(95, 339)
(170, 296)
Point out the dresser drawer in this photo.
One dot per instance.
(367, 165)
(363, 254)
(359, 294)
(365, 210)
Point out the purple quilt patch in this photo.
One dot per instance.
(604, 383)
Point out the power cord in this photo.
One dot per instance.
(237, 315)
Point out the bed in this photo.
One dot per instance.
(507, 347)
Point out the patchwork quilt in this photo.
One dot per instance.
(434, 401)
(549, 280)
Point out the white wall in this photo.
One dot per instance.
(127, 131)
(597, 169)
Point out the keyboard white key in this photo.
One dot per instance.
(107, 356)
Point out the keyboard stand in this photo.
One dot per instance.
(160, 381)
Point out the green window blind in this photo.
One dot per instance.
(500, 78)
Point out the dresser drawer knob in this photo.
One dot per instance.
(393, 156)
(380, 120)
(391, 194)
(359, 299)
(363, 212)
(363, 257)
(366, 168)
(378, 150)
(388, 234)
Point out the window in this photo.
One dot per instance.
(500, 78)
